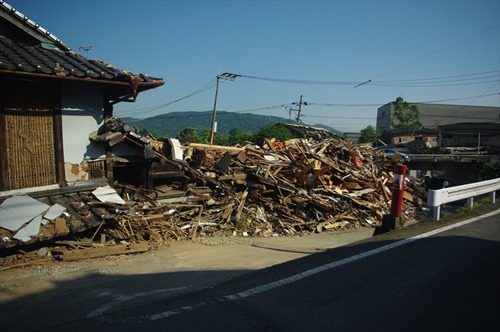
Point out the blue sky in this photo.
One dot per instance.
(424, 51)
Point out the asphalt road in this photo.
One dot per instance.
(444, 280)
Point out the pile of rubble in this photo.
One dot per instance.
(296, 187)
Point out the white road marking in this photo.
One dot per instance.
(293, 278)
(120, 298)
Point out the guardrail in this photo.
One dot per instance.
(436, 198)
(450, 158)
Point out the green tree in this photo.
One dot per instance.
(152, 133)
(280, 132)
(490, 171)
(407, 115)
(239, 137)
(204, 136)
(221, 139)
(189, 134)
(369, 134)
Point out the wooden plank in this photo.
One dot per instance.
(80, 254)
(240, 176)
(241, 205)
(230, 149)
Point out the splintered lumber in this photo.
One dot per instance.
(197, 223)
(296, 187)
(31, 262)
(232, 177)
(333, 223)
(120, 249)
(199, 146)
(304, 186)
(242, 204)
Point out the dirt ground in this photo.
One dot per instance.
(31, 272)
(39, 274)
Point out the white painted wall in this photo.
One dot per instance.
(82, 114)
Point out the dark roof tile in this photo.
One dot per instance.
(36, 51)
(42, 59)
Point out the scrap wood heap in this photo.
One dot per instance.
(297, 187)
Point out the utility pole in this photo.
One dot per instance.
(224, 76)
(212, 129)
(300, 109)
(300, 103)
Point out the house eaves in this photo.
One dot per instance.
(29, 26)
(473, 127)
(49, 57)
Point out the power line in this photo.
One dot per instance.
(284, 106)
(418, 102)
(439, 50)
(300, 81)
(465, 79)
(454, 99)
(339, 117)
(434, 84)
(265, 108)
(345, 105)
(447, 77)
(150, 109)
(474, 78)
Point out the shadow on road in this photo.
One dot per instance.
(119, 300)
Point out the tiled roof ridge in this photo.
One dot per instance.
(33, 25)
(37, 59)
(51, 57)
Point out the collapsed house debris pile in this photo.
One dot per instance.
(297, 187)
(305, 187)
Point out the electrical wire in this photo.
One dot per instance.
(466, 79)
(297, 81)
(447, 77)
(435, 84)
(266, 108)
(491, 87)
(439, 50)
(414, 83)
(150, 109)
(338, 117)
(420, 102)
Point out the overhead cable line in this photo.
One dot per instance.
(435, 84)
(344, 105)
(439, 50)
(150, 109)
(466, 79)
(491, 87)
(339, 117)
(446, 77)
(462, 98)
(266, 108)
(418, 102)
(474, 78)
(285, 80)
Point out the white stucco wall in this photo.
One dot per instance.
(82, 114)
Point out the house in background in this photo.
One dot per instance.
(51, 100)
(426, 136)
(475, 135)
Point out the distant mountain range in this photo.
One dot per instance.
(170, 124)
